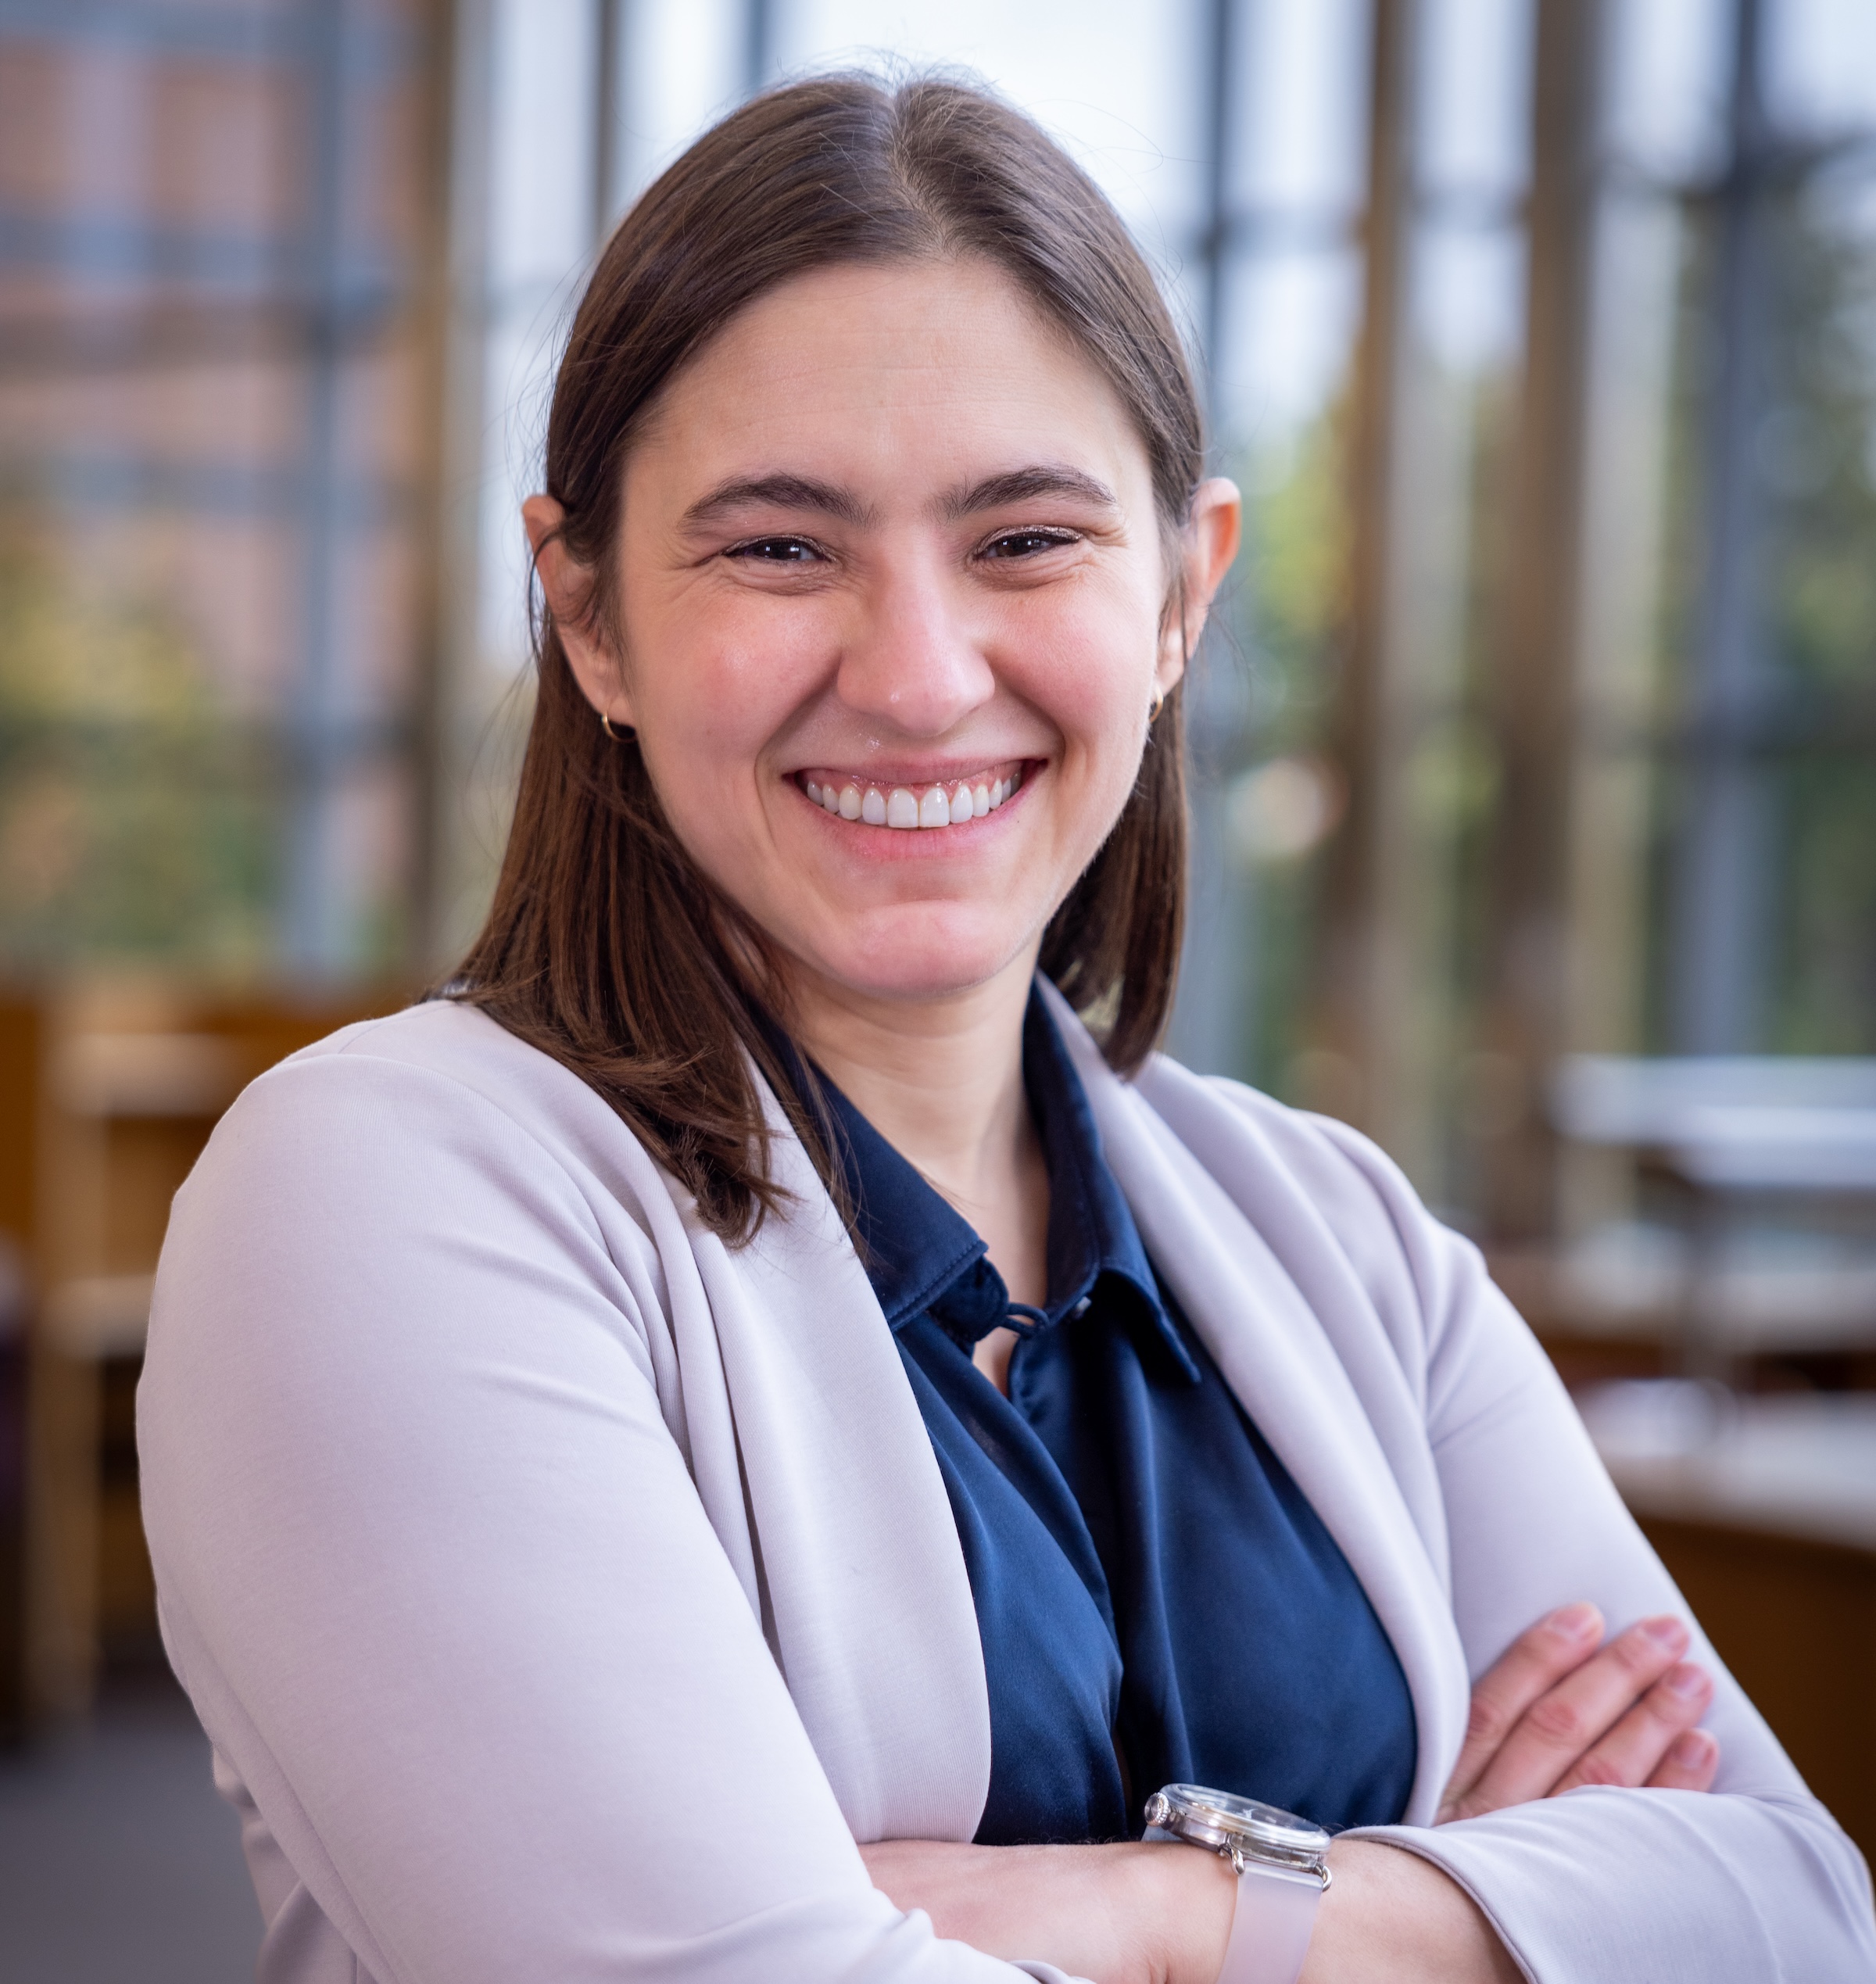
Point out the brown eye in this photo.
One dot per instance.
(775, 551)
(1026, 544)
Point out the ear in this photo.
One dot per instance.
(1207, 545)
(569, 587)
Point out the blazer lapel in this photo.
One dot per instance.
(1281, 1362)
(865, 1597)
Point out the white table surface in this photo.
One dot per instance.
(1797, 1465)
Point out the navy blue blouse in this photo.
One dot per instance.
(1157, 1601)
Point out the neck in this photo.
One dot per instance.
(941, 1081)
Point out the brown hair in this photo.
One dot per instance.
(606, 946)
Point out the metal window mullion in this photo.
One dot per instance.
(1213, 1021)
(758, 44)
(1359, 1003)
(1717, 962)
(1532, 694)
(313, 941)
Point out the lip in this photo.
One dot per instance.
(917, 775)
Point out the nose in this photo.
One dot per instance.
(912, 663)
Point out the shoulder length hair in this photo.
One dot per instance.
(606, 946)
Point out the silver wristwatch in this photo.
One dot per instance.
(1282, 1867)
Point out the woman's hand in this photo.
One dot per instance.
(1560, 1709)
(1141, 1914)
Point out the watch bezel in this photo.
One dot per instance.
(1223, 1820)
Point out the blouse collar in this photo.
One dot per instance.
(922, 1256)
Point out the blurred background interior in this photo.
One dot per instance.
(1536, 742)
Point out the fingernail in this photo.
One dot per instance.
(1575, 1621)
(1685, 1681)
(1692, 1749)
(1666, 1631)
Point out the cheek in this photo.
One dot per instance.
(1088, 666)
(700, 745)
(710, 689)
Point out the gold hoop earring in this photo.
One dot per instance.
(617, 736)
(1158, 703)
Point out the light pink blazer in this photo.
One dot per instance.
(565, 1594)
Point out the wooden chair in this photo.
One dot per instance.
(114, 1089)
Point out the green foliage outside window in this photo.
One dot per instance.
(137, 824)
(1819, 459)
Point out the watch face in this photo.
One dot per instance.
(1223, 1813)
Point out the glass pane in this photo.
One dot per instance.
(540, 227)
(1763, 881)
(517, 373)
(1300, 109)
(1813, 446)
(1821, 65)
(1292, 318)
(1812, 453)
(1822, 996)
(1636, 480)
(1668, 66)
(211, 467)
(1122, 84)
(681, 68)
(1291, 323)
(541, 136)
(1474, 124)
(1468, 297)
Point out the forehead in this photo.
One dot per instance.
(901, 368)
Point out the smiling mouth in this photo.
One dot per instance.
(922, 803)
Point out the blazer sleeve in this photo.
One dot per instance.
(1749, 1883)
(438, 1580)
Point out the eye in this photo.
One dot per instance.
(1026, 544)
(775, 551)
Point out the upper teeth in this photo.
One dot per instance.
(949, 804)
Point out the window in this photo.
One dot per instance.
(214, 442)
(1541, 713)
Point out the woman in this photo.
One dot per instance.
(751, 1372)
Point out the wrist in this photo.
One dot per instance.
(1278, 1870)
(1391, 1914)
(1187, 1901)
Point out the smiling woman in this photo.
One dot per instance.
(967, 397)
(766, 1434)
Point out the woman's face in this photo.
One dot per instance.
(891, 586)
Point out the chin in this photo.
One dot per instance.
(945, 957)
(914, 983)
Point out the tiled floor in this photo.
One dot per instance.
(118, 1862)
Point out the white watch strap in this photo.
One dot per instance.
(1271, 1927)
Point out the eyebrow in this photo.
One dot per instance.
(779, 492)
(789, 492)
(1023, 486)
